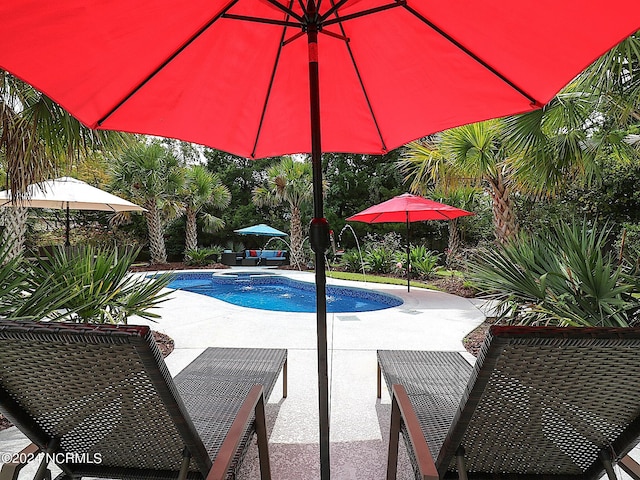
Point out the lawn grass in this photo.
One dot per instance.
(359, 277)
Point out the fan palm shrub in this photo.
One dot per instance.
(562, 275)
(202, 189)
(201, 256)
(288, 182)
(21, 295)
(103, 290)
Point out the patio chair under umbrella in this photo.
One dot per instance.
(238, 75)
(66, 193)
(408, 208)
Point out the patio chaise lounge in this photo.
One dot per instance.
(100, 400)
(540, 403)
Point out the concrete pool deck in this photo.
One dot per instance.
(428, 320)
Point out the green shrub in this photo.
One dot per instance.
(22, 296)
(216, 249)
(200, 256)
(101, 288)
(379, 259)
(424, 262)
(350, 261)
(560, 275)
(628, 246)
(234, 246)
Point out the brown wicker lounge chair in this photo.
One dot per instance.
(100, 400)
(557, 403)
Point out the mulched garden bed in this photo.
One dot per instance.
(453, 285)
(164, 342)
(175, 266)
(4, 423)
(474, 339)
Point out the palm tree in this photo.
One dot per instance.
(472, 154)
(615, 79)
(426, 169)
(34, 134)
(461, 197)
(150, 175)
(537, 154)
(202, 188)
(289, 181)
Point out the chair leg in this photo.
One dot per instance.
(402, 412)
(43, 473)
(284, 378)
(379, 381)
(462, 468)
(394, 438)
(184, 468)
(253, 403)
(262, 439)
(608, 466)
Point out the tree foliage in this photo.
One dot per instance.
(288, 182)
(150, 175)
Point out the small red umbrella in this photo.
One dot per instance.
(408, 208)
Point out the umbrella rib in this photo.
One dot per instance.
(382, 8)
(269, 21)
(357, 70)
(288, 10)
(334, 8)
(270, 87)
(149, 77)
(475, 57)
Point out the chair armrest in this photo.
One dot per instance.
(402, 412)
(10, 470)
(254, 402)
(630, 466)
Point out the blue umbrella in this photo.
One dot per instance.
(261, 229)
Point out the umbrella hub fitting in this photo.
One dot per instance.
(319, 236)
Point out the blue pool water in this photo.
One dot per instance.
(271, 292)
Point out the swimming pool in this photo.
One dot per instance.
(278, 293)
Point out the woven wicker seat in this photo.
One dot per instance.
(100, 400)
(540, 402)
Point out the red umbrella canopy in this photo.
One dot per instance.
(269, 77)
(410, 208)
(233, 74)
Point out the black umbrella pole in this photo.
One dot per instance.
(67, 241)
(319, 237)
(408, 257)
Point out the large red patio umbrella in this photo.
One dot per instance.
(408, 208)
(254, 77)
